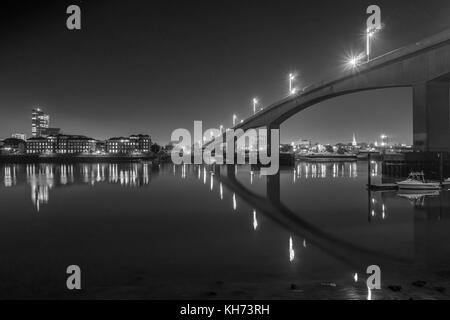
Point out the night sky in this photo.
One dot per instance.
(154, 66)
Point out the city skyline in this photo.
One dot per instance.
(141, 75)
(40, 122)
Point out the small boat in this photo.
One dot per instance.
(416, 181)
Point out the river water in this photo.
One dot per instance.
(180, 232)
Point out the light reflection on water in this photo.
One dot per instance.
(44, 177)
(335, 218)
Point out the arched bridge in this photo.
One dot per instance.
(423, 66)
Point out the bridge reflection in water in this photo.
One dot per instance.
(381, 240)
(427, 208)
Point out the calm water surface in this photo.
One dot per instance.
(157, 232)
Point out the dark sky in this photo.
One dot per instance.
(154, 66)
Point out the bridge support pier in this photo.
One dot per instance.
(431, 116)
(271, 127)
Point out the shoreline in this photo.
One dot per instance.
(21, 159)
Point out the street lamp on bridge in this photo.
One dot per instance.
(353, 61)
(255, 103)
(369, 36)
(292, 90)
(373, 26)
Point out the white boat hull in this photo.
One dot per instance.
(419, 186)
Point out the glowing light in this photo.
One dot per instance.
(234, 119)
(304, 243)
(255, 221)
(221, 191)
(292, 90)
(368, 39)
(234, 202)
(369, 294)
(355, 277)
(353, 61)
(255, 103)
(204, 175)
(291, 250)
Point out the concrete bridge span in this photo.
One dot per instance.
(423, 66)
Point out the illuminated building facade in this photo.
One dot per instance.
(134, 144)
(39, 122)
(61, 144)
(39, 145)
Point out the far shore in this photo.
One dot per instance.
(74, 158)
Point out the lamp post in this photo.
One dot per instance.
(291, 82)
(255, 102)
(370, 33)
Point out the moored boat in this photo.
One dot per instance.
(416, 181)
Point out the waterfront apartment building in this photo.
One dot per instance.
(135, 144)
(40, 124)
(61, 144)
